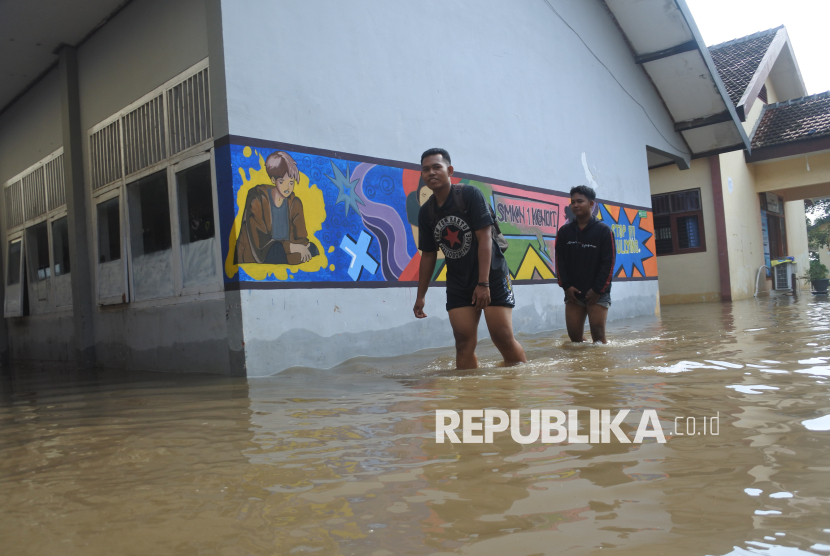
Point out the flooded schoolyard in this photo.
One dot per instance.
(345, 461)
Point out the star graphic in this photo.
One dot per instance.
(629, 261)
(345, 189)
(452, 237)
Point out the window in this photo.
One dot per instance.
(35, 199)
(112, 286)
(13, 305)
(678, 222)
(38, 241)
(150, 241)
(109, 234)
(60, 246)
(14, 262)
(155, 157)
(197, 226)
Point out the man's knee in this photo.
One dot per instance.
(502, 336)
(464, 339)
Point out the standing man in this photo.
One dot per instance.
(585, 253)
(457, 219)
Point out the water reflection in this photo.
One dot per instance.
(345, 461)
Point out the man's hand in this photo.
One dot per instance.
(591, 297)
(418, 309)
(571, 292)
(305, 254)
(481, 297)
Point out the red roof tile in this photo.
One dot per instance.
(793, 120)
(738, 60)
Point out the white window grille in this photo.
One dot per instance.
(105, 155)
(34, 194)
(14, 204)
(144, 136)
(55, 187)
(188, 108)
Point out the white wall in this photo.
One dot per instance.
(508, 88)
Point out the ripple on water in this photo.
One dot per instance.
(344, 460)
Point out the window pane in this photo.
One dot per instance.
(149, 214)
(660, 204)
(150, 241)
(60, 246)
(109, 231)
(662, 234)
(14, 263)
(195, 203)
(37, 239)
(197, 225)
(688, 232)
(685, 201)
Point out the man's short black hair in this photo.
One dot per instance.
(588, 192)
(442, 152)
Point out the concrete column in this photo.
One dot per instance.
(224, 178)
(82, 285)
(720, 227)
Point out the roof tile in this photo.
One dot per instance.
(738, 60)
(793, 120)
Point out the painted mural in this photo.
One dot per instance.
(323, 220)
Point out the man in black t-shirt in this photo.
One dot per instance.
(585, 255)
(459, 223)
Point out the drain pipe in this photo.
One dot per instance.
(758, 275)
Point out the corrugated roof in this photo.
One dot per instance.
(738, 60)
(793, 120)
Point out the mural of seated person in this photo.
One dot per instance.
(273, 224)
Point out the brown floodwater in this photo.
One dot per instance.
(345, 461)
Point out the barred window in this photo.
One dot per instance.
(678, 222)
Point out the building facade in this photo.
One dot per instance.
(137, 172)
(733, 213)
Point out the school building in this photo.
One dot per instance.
(232, 187)
(733, 213)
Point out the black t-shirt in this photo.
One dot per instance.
(454, 231)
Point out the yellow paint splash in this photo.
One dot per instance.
(314, 210)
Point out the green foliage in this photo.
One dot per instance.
(817, 271)
(818, 236)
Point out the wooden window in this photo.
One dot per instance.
(678, 223)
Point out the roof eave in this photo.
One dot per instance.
(710, 64)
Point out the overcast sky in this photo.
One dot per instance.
(806, 22)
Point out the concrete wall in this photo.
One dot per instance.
(29, 131)
(509, 89)
(31, 128)
(145, 45)
(742, 210)
(689, 277)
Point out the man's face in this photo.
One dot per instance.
(581, 206)
(435, 172)
(285, 184)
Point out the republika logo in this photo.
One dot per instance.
(454, 236)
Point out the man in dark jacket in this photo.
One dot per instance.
(585, 253)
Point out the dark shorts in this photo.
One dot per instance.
(603, 301)
(501, 295)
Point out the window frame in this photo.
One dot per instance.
(171, 164)
(18, 235)
(114, 193)
(22, 230)
(673, 216)
(178, 266)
